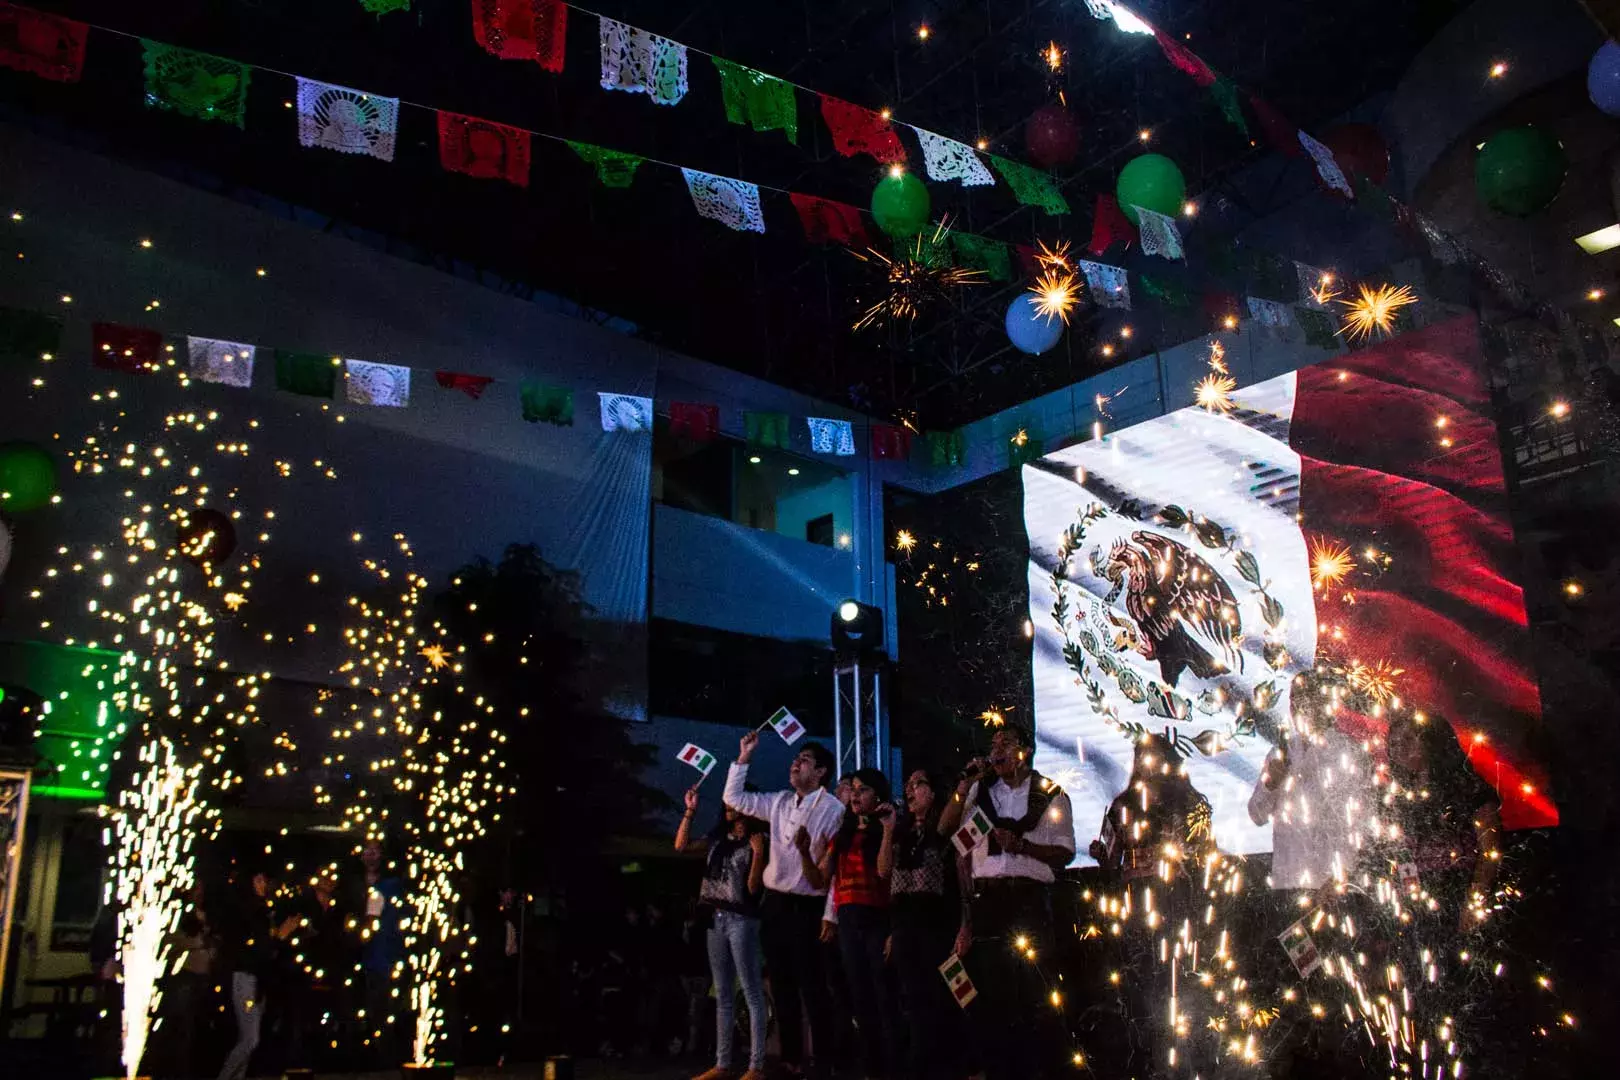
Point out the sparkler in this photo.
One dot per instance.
(1330, 564)
(1376, 680)
(443, 764)
(1056, 293)
(155, 825)
(916, 280)
(1374, 310)
(1214, 393)
(154, 599)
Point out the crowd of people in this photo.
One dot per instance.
(866, 921)
(272, 974)
(856, 906)
(834, 924)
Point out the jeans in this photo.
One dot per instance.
(862, 931)
(790, 931)
(734, 957)
(249, 1011)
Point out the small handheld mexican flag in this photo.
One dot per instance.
(1407, 874)
(956, 977)
(972, 832)
(697, 757)
(1301, 949)
(786, 725)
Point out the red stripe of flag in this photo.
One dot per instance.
(1375, 473)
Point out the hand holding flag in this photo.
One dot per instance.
(972, 832)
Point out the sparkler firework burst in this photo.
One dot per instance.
(438, 777)
(154, 824)
(1374, 311)
(916, 280)
(152, 597)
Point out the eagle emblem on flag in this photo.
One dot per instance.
(1172, 592)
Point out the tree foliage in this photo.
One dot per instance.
(576, 769)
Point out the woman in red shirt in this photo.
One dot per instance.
(855, 870)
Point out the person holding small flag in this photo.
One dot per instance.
(926, 912)
(733, 878)
(856, 867)
(1009, 926)
(794, 911)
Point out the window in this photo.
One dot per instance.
(820, 530)
(804, 498)
(78, 884)
(698, 673)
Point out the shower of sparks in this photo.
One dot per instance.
(1330, 564)
(1324, 291)
(993, 718)
(445, 765)
(1053, 56)
(1217, 358)
(1375, 310)
(155, 825)
(915, 281)
(160, 611)
(904, 541)
(1053, 258)
(1020, 437)
(1377, 680)
(1214, 392)
(1056, 293)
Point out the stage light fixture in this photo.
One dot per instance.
(857, 628)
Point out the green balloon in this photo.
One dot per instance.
(900, 205)
(27, 476)
(1519, 170)
(1151, 181)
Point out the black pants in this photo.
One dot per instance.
(862, 932)
(790, 931)
(1013, 1011)
(937, 1049)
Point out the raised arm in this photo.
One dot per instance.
(950, 816)
(885, 858)
(1263, 800)
(683, 834)
(753, 803)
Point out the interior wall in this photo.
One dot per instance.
(461, 478)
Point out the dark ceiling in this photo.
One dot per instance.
(769, 305)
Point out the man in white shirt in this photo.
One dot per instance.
(793, 910)
(1014, 867)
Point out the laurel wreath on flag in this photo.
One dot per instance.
(1082, 649)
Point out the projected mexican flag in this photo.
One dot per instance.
(1170, 576)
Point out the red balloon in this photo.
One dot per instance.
(1360, 151)
(1052, 135)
